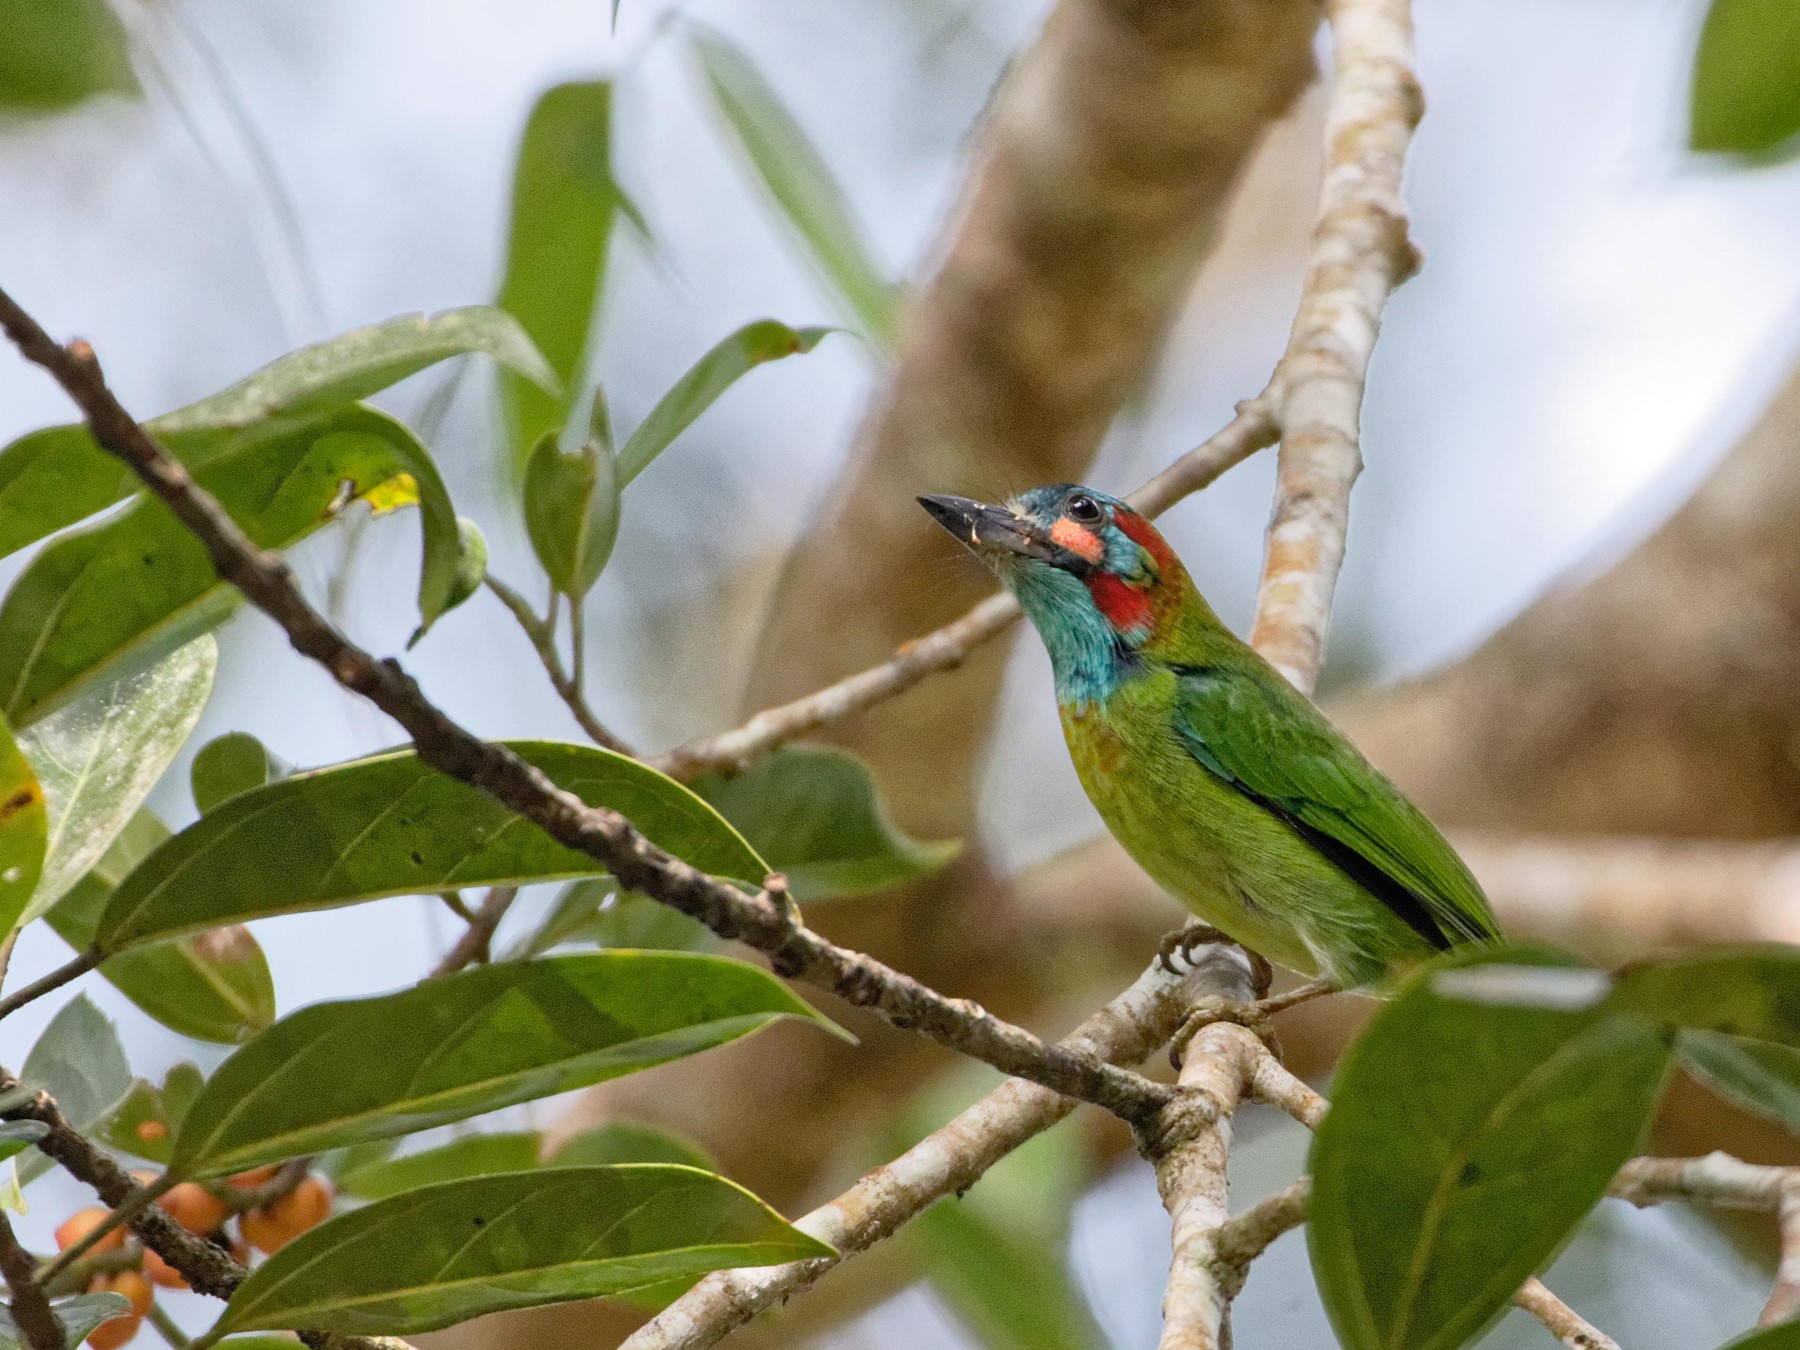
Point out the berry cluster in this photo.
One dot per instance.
(132, 1269)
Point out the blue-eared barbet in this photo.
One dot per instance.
(1224, 782)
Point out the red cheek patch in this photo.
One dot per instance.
(1082, 542)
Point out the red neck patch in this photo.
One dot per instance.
(1124, 606)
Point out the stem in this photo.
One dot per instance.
(133, 1205)
(166, 1328)
(542, 633)
(56, 979)
(30, 1306)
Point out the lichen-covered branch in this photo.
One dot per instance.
(1560, 1320)
(1360, 253)
(945, 1162)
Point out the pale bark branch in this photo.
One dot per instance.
(945, 1162)
(1360, 253)
(1559, 1319)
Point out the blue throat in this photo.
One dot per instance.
(1085, 653)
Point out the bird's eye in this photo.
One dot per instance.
(1082, 509)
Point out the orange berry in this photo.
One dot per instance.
(151, 1130)
(195, 1208)
(281, 1221)
(162, 1272)
(84, 1221)
(114, 1332)
(134, 1287)
(256, 1176)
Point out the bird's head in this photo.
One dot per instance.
(1088, 570)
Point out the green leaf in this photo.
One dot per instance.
(145, 1123)
(78, 1061)
(78, 1315)
(1759, 1075)
(563, 203)
(1782, 1336)
(137, 584)
(56, 477)
(24, 830)
(213, 986)
(572, 513)
(471, 565)
(814, 814)
(59, 52)
(340, 370)
(336, 1073)
(630, 1141)
(18, 1135)
(801, 185)
(443, 1254)
(472, 1156)
(1473, 1124)
(1741, 991)
(98, 758)
(1746, 94)
(389, 825)
(230, 764)
(732, 357)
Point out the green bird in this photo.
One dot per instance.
(1221, 779)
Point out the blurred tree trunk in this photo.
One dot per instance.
(1101, 182)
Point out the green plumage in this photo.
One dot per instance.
(1224, 782)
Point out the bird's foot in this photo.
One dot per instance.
(1183, 942)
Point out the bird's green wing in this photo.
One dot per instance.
(1252, 729)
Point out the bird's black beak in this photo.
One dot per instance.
(986, 530)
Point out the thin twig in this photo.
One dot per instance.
(543, 641)
(140, 1199)
(604, 835)
(1360, 252)
(30, 1306)
(56, 979)
(1560, 1320)
(945, 1162)
(477, 939)
(167, 1327)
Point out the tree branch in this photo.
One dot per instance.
(1360, 253)
(604, 835)
(1559, 1319)
(30, 1307)
(945, 1162)
(474, 942)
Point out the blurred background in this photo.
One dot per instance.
(1602, 313)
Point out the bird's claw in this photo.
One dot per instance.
(1184, 941)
